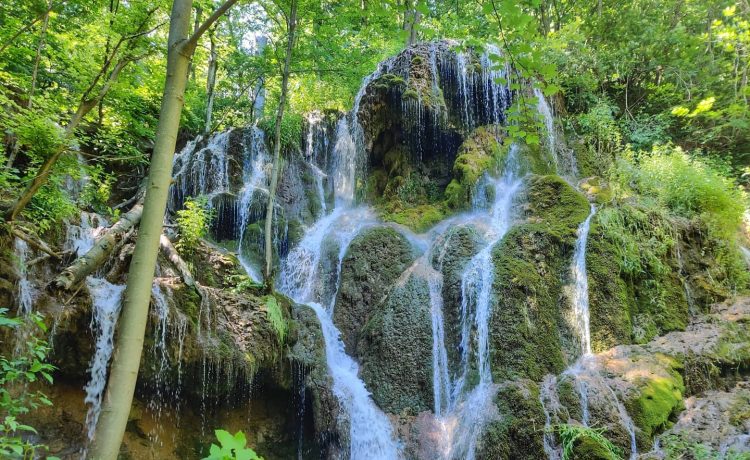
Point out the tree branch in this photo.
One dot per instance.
(219, 12)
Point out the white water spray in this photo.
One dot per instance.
(106, 308)
(581, 293)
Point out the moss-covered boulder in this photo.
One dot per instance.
(451, 254)
(373, 262)
(528, 330)
(519, 432)
(395, 349)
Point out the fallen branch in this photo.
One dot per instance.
(39, 245)
(100, 252)
(171, 253)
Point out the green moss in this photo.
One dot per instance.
(558, 207)
(275, 316)
(419, 218)
(527, 328)
(659, 398)
(519, 432)
(388, 81)
(584, 443)
(410, 94)
(535, 160)
(482, 152)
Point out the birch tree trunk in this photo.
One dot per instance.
(291, 25)
(132, 324)
(211, 82)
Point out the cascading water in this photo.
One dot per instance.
(370, 432)
(26, 290)
(474, 408)
(441, 383)
(106, 308)
(581, 292)
(255, 185)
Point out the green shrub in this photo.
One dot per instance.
(231, 447)
(16, 399)
(193, 222)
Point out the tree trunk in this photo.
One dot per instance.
(100, 252)
(291, 24)
(211, 82)
(171, 253)
(39, 49)
(132, 324)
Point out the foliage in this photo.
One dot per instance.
(276, 317)
(16, 373)
(571, 435)
(291, 130)
(193, 222)
(231, 447)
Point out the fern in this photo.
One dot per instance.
(276, 317)
(570, 434)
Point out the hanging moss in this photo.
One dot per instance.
(276, 318)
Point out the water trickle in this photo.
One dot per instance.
(26, 291)
(476, 282)
(370, 431)
(550, 401)
(440, 380)
(204, 171)
(581, 292)
(255, 186)
(545, 111)
(106, 300)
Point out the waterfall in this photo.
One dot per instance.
(746, 255)
(106, 308)
(370, 432)
(26, 291)
(255, 184)
(316, 145)
(204, 171)
(581, 292)
(440, 379)
(550, 401)
(545, 111)
(476, 281)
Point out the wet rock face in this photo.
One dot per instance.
(528, 329)
(395, 350)
(450, 258)
(372, 264)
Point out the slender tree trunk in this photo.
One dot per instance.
(211, 82)
(291, 24)
(39, 49)
(132, 327)
(198, 14)
(132, 324)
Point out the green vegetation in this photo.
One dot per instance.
(231, 447)
(584, 442)
(276, 317)
(193, 223)
(17, 400)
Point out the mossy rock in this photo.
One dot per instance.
(372, 263)
(658, 399)
(588, 448)
(418, 218)
(519, 432)
(527, 329)
(395, 350)
(482, 152)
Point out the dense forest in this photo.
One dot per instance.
(495, 229)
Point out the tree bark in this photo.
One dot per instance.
(132, 324)
(100, 252)
(39, 49)
(291, 25)
(173, 256)
(211, 82)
